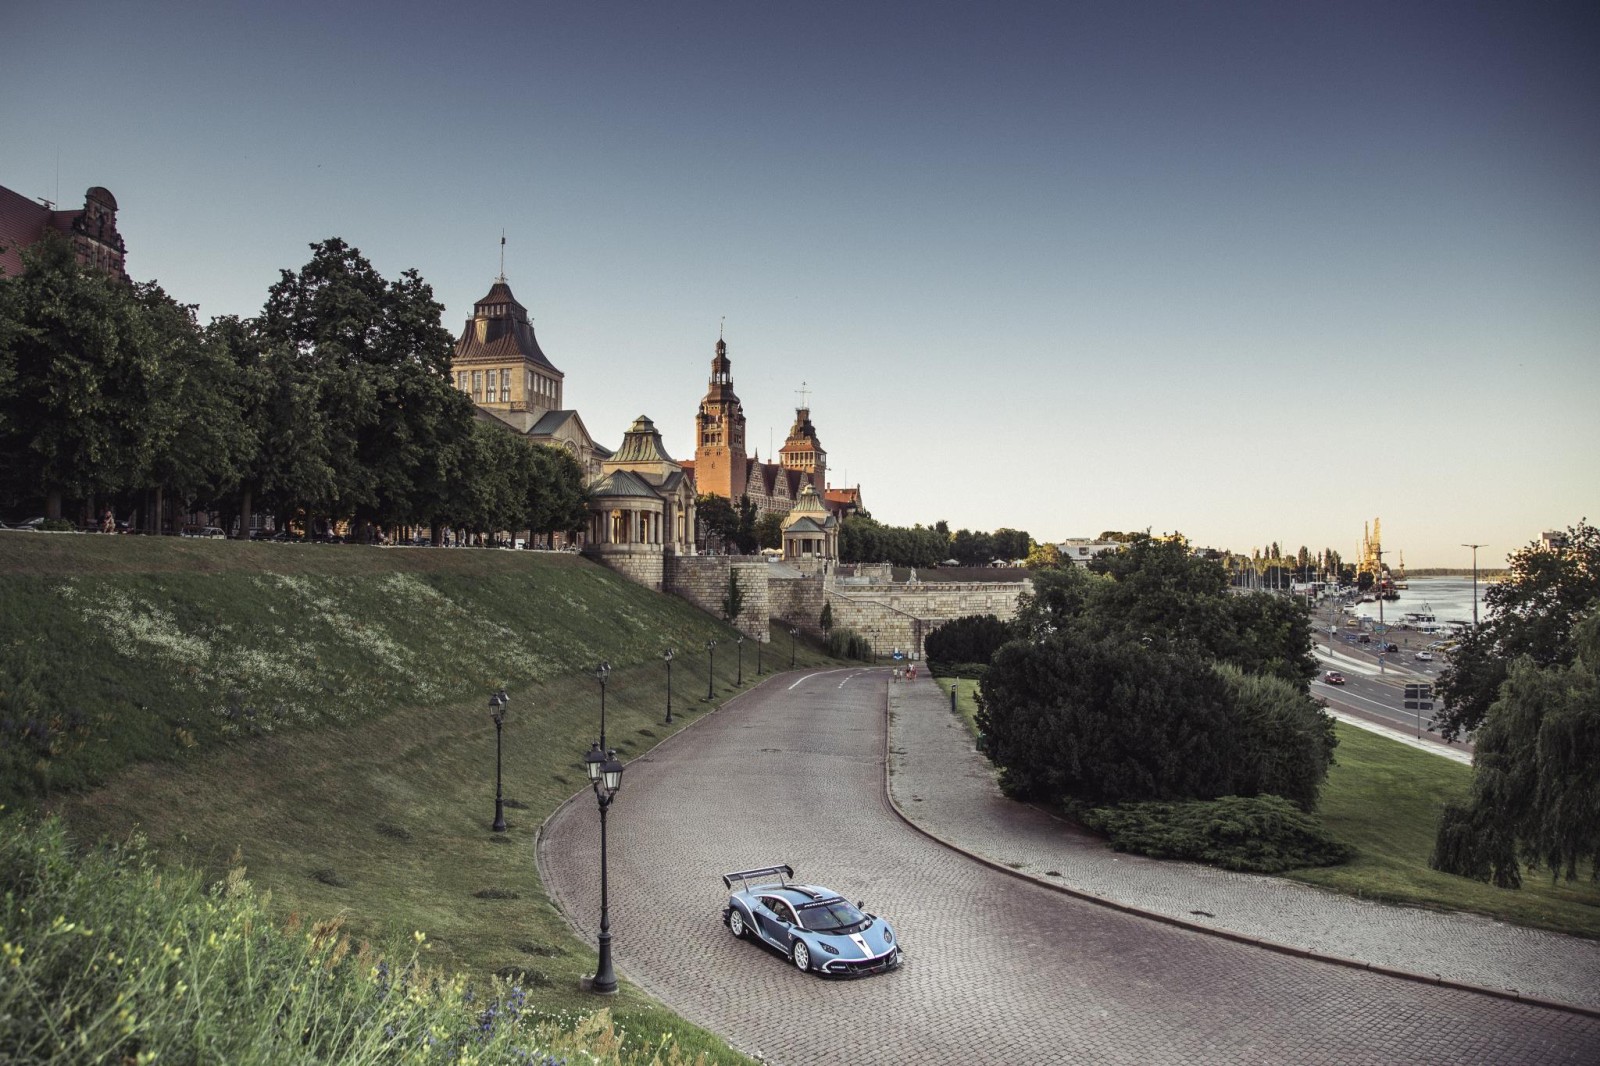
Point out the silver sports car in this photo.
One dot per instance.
(816, 928)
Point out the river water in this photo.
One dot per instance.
(1448, 599)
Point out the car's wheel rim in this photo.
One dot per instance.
(802, 957)
(736, 923)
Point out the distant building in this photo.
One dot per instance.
(721, 468)
(499, 364)
(810, 532)
(1080, 550)
(92, 231)
(641, 509)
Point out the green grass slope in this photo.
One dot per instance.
(1384, 798)
(317, 714)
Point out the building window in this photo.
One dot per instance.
(477, 385)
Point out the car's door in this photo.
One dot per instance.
(776, 921)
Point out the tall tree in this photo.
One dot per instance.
(1536, 774)
(381, 362)
(1531, 613)
(80, 375)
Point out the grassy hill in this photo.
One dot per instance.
(318, 716)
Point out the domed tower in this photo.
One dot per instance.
(802, 450)
(498, 361)
(719, 456)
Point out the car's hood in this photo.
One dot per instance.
(871, 942)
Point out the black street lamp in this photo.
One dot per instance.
(602, 672)
(605, 777)
(792, 634)
(666, 657)
(739, 642)
(759, 642)
(497, 711)
(711, 666)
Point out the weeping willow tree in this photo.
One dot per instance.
(1536, 782)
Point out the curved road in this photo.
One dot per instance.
(998, 970)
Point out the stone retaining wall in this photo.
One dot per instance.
(900, 616)
(703, 581)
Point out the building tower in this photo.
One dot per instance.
(802, 450)
(498, 363)
(719, 456)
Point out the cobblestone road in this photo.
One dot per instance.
(998, 970)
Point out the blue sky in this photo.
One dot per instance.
(1250, 271)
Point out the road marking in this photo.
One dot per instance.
(806, 678)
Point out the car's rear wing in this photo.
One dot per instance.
(749, 875)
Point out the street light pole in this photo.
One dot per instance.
(711, 667)
(605, 777)
(739, 643)
(759, 642)
(497, 711)
(1474, 548)
(792, 632)
(667, 657)
(601, 673)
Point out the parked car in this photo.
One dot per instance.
(815, 928)
(1333, 677)
(1423, 656)
(1365, 638)
(1391, 647)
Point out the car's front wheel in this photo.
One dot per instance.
(802, 956)
(736, 924)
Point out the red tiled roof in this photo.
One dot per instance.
(22, 222)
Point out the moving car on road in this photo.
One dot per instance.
(1333, 677)
(1423, 656)
(816, 928)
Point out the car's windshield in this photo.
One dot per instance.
(835, 916)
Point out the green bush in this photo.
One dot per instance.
(973, 638)
(1258, 834)
(970, 671)
(848, 644)
(56, 525)
(107, 959)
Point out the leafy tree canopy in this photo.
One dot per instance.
(1532, 613)
(1536, 773)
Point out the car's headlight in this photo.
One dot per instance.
(829, 948)
(888, 935)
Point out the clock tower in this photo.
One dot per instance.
(719, 456)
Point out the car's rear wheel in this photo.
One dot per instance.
(802, 956)
(736, 923)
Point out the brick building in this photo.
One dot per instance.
(721, 468)
(91, 230)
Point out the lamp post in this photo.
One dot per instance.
(739, 643)
(666, 657)
(711, 666)
(497, 711)
(759, 642)
(792, 633)
(605, 777)
(1474, 548)
(601, 673)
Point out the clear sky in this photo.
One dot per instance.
(1254, 272)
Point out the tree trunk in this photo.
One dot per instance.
(244, 514)
(52, 504)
